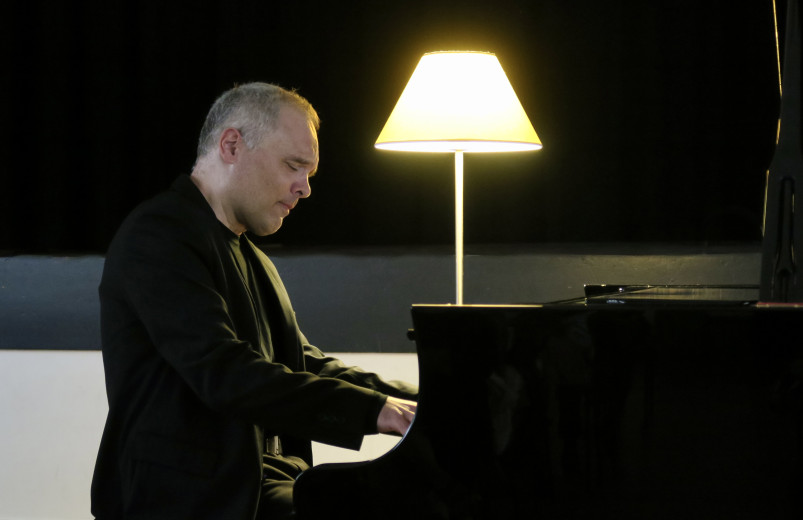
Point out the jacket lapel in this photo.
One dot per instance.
(286, 340)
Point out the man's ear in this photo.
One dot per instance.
(230, 145)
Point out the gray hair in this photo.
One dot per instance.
(253, 109)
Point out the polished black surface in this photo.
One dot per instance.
(590, 411)
(783, 216)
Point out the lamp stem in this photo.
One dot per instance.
(458, 223)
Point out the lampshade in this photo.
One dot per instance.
(458, 101)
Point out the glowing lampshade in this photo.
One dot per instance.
(458, 101)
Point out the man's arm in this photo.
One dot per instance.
(326, 366)
(165, 278)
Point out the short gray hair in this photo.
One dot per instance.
(253, 109)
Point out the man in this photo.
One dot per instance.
(214, 393)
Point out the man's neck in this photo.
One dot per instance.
(212, 191)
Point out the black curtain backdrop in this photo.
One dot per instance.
(658, 118)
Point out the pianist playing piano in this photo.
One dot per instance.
(214, 393)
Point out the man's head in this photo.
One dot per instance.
(253, 109)
(256, 153)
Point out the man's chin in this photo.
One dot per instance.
(266, 230)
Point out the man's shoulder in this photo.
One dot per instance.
(167, 204)
(181, 199)
(176, 213)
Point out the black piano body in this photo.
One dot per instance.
(631, 403)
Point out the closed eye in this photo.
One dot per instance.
(296, 164)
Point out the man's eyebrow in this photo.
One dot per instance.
(304, 162)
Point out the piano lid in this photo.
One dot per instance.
(669, 295)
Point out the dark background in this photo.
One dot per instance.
(658, 118)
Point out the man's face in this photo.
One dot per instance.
(268, 180)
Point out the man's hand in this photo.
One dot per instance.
(396, 416)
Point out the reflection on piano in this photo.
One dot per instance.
(638, 406)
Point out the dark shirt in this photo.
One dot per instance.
(265, 318)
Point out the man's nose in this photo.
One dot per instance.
(302, 187)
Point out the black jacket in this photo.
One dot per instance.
(192, 393)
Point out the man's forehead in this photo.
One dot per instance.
(297, 122)
(304, 151)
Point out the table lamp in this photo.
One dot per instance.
(458, 102)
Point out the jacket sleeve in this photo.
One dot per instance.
(322, 365)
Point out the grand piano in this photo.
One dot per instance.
(627, 402)
(631, 403)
